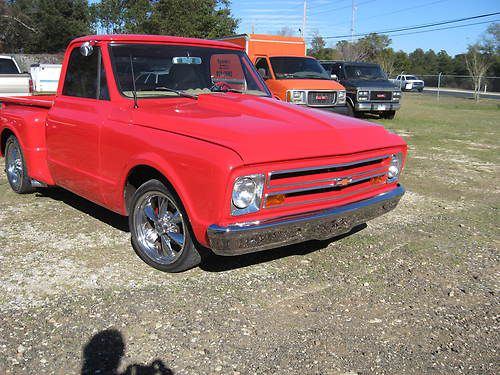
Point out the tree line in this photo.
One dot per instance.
(47, 26)
(376, 48)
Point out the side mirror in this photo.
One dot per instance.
(334, 77)
(86, 49)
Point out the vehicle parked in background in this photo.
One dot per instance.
(12, 81)
(45, 77)
(290, 74)
(408, 83)
(367, 86)
(206, 158)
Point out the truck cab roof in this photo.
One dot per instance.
(136, 38)
(358, 63)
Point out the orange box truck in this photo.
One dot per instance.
(289, 73)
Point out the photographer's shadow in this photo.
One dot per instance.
(103, 353)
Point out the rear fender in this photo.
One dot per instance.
(28, 126)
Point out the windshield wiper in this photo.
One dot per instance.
(178, 92)
(217, 88)
(232, 90)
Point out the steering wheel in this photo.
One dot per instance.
(220, 86)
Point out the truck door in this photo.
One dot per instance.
(74, 125)
(263, 67)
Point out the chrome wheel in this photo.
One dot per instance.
(159, 227)
(14, 166)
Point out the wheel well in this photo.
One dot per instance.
(350, 101)
(138, 176)
(3, 140)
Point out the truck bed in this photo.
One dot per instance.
(25, 117)
(42, 101)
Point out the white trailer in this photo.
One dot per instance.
(45, 77)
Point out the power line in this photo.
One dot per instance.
(445, 28)
(340, 8)
(421, 26)
(441, 28)
(318, 6)
(395, 11)
(403, 10)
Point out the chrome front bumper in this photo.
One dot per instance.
(323, 224)
(376, 107)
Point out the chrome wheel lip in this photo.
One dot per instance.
(14, 166)
(159, 227)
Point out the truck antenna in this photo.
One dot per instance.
(134, 90)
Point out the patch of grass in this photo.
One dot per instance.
(453, 145)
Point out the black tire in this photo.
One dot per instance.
(389, 115)
(351, 112)
(143, 229)
(420, 90)
(15, 167)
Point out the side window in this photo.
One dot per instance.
(263, 67)
(85, 76)
(337, 70)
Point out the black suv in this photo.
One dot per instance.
(368, 89)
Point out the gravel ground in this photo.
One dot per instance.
(414, 292)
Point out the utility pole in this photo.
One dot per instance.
(353, 15)
(304, 20)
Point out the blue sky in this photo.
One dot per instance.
(333, 17)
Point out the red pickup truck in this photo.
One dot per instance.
(183, 137)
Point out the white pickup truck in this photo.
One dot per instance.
(408, 83)
(12, 81)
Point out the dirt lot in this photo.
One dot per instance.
(414, 292)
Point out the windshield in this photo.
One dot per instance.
(7, 66)
(298, 68)
(411, 77)
(161, 70)
(364, 72)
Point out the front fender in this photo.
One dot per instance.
(196, 169)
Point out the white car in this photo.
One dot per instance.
(408, 83)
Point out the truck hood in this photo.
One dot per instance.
(262, 129)
(369, 84)
(308, 84)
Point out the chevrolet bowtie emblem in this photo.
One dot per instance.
(344, 181)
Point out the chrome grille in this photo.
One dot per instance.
(321, 98)
(327, 182)
(380, 95)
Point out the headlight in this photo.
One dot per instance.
(296, 96)
(247, 194)
(341, 97)
(395, 167)
(396, 95)
(363, 95)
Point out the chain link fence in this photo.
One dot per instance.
(459, 82)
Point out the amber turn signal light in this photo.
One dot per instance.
(274, 200)
(377, 180)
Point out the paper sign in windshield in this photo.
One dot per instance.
(227, 68)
